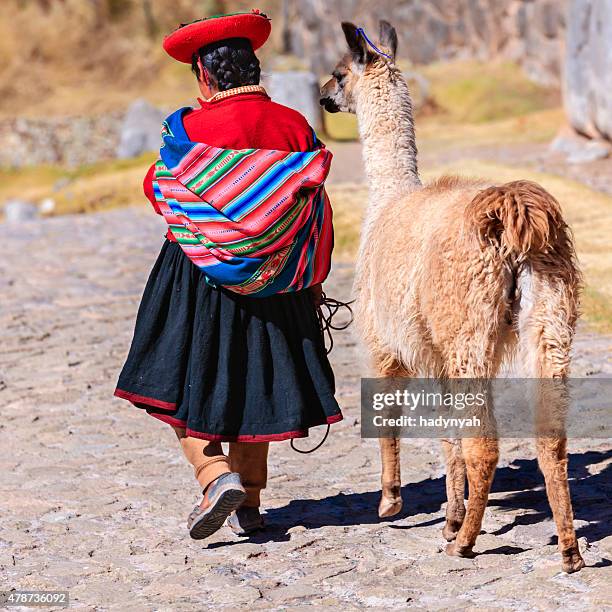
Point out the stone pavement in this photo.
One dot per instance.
(95, 493)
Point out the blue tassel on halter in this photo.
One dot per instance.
(365, 37)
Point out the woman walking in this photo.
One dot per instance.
(227, 345)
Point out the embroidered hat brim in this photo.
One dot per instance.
(184, 42)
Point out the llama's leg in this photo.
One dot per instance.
(552, 457)
(455, 488)
(551, 408)
(481, 455)
(545, 336)
(391, 480)
(475, 458)
(391, 500)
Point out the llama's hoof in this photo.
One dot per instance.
(572, 560)
(459, 551)
(389, 506)
(451, 529)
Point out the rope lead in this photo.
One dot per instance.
(326, 319)
(326, 325)
(312, 450)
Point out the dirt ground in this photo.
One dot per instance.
(95, 494)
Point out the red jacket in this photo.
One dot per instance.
(243, 121)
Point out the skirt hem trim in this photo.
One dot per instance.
(289, 435)
(141, 401)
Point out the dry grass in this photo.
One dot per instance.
(348, 204)
(477, 92)
(341, 127)
(100, 186)
(476, 101)
(435, 134)
(88, 57)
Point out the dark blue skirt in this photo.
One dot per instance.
(224, 366)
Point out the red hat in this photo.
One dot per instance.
(187, 39)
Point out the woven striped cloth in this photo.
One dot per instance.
(257, 222)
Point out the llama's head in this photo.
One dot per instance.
(363, 59)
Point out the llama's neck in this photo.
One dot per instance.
(386, 126)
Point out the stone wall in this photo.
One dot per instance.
(527, 31)
(77, 141)
(588, 67)
(70, 141)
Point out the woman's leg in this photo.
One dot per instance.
(207, 458)
(223, 492)
(250, 460)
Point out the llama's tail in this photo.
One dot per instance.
(520, 218)
(523, 224)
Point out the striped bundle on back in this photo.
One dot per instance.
(255, 221)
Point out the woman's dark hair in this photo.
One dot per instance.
(230, 63)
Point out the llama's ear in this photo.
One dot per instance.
(356, 42)
(388, 37)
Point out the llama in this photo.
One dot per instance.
(452, 279)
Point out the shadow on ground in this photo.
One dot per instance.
(521, 482)
(590, 494)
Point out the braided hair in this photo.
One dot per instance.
(230, 63)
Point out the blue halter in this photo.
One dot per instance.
(365, 36)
